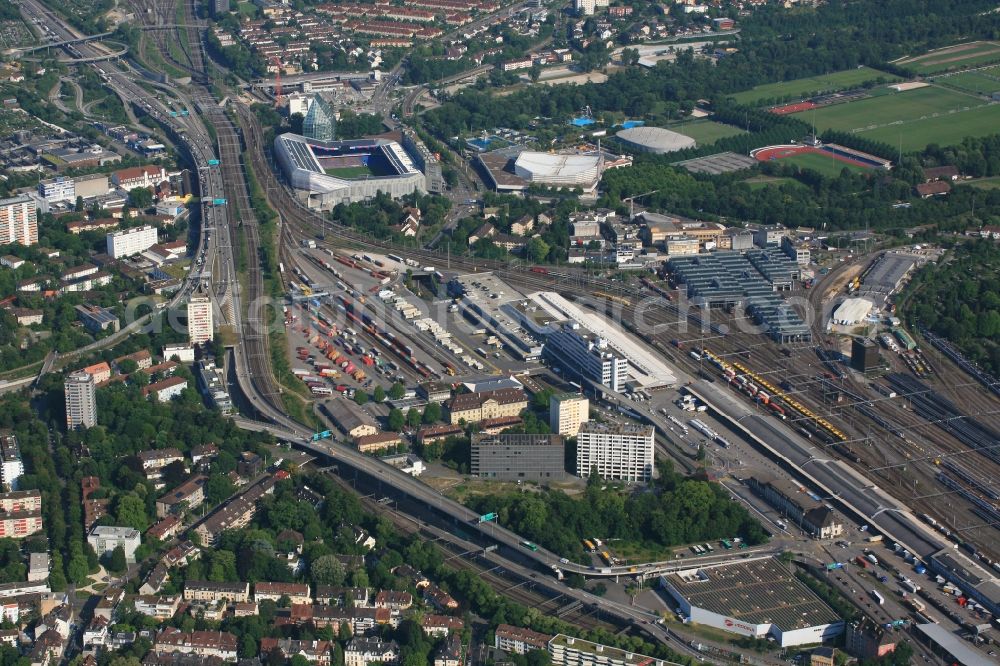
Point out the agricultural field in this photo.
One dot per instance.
(911, 119)
(800, 88)
(705, 132)
(984, 81)
(959, 56)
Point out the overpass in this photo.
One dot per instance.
(65, 42)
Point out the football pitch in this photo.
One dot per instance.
(959, 56)
(349, 172)
(911, 119)
(705, 132)
(984, 81)
(823, 163)
(799, 88)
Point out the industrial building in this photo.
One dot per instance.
(730, 279)
(864, 355)
(618, 451)
(81, 400)
(803, 508)
(887, 273)
(518, 457)
(311, 166)
(656, 140)
(488, 302)
(567, 412)
(754, 598)
(852, 311)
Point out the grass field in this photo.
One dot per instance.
(799, 88)
(959, 56)
(822, 163)
(706, 132)
(760, 182)
(349, 172)
(913, 119)
(991, 183)
(980, 82)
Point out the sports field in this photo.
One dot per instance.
(849, 78)
(915, 117)
(959, 56)
(760, 182)
(978, 82)
(349, 172)
(823, 163)
(705, 132)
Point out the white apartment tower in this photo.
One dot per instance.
(199, 313)
(18, 221)
(620, 451)
(567, 412)
(130, 242)
(81, 400)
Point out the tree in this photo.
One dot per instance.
(175, 474)
(432, 413)
(360, 397)
(327, 570)
(79, 205)
(395, 420)
(397, 391)
(537, 250)
(218, 488)
(117, 562)
(413, 417)
(535, 72)
(130, 511)
(378, 395)
(140, 197)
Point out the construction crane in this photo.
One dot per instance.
(277, 81)
(631, 202)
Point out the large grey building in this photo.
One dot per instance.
(518, 457)
(427, 161)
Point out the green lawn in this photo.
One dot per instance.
(960, 56)
(800, 88)
(915, 117)
(349, 172)
(705, 131)
(991, 183)
(760, 182)
(980, 82)
(822, 163)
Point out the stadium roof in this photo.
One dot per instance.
(655, 139)
(545, 166)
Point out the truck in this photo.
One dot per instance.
(871, 558)
(862, 562)
(909, 586)
(877, 597)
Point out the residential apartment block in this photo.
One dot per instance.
(18, 221)
(567, 411)
(210, 591)
(81, 400)
(619, 451)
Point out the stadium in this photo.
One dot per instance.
(514, 170)
(327, 173)
(654, 140)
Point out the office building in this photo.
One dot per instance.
(199, 313)
(320, 120)
(476, 407)
(18, 221)
(81, 400)
(517, 457)
(57, 189)
(11, 467)
(105, 538)
(129, 242)
(587, 355)
(620, 451)
(567, 412)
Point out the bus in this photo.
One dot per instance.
(395, 257)
(727, 544)
(709, 548)
(321, 390)
(606, 556)
(530, 546)
(588, 545)
(877, 597)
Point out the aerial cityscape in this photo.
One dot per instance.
(499, 332)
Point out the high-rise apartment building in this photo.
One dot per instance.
(11, 467)
(199, 313)
(81, 400)
(128, 242)
(621, 451)
(18, 221)
(567, 412)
